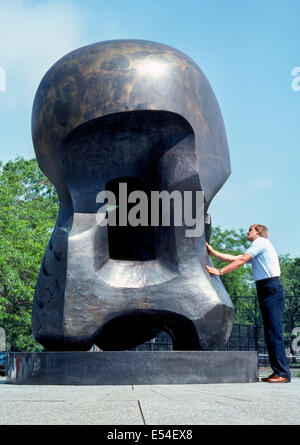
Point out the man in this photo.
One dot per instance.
(266, 272)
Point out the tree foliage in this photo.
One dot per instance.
(290, 277)
(29, 206)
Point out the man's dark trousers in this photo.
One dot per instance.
(271, 300)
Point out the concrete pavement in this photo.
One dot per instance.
(203, 404)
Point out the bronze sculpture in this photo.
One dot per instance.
(143, 114)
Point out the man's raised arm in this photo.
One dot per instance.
(240, 261)
(222, 256)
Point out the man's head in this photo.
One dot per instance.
(257, 230)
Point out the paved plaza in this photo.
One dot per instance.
(204, 404)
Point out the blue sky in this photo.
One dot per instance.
(247, 49)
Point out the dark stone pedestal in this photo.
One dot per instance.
(132, 367)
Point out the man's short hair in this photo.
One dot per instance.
(262, 230)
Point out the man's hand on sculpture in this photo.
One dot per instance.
(210, 249)
(212, 270)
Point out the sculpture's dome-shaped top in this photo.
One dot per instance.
(121, 76)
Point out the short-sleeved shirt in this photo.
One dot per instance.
(265, 262)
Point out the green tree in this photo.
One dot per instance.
(28, 209)
(290, 277)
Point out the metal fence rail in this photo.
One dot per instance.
(247, 333)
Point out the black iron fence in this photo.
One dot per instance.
(247, 333)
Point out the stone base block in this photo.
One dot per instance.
(132, 367)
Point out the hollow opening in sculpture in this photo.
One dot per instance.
(148, 151)
(154, 147)
(161, 342)
(132, 328)
(127, 242)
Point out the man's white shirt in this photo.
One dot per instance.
(265, 262)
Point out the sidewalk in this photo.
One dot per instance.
(214, 404)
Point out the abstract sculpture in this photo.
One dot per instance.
(142, 114)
